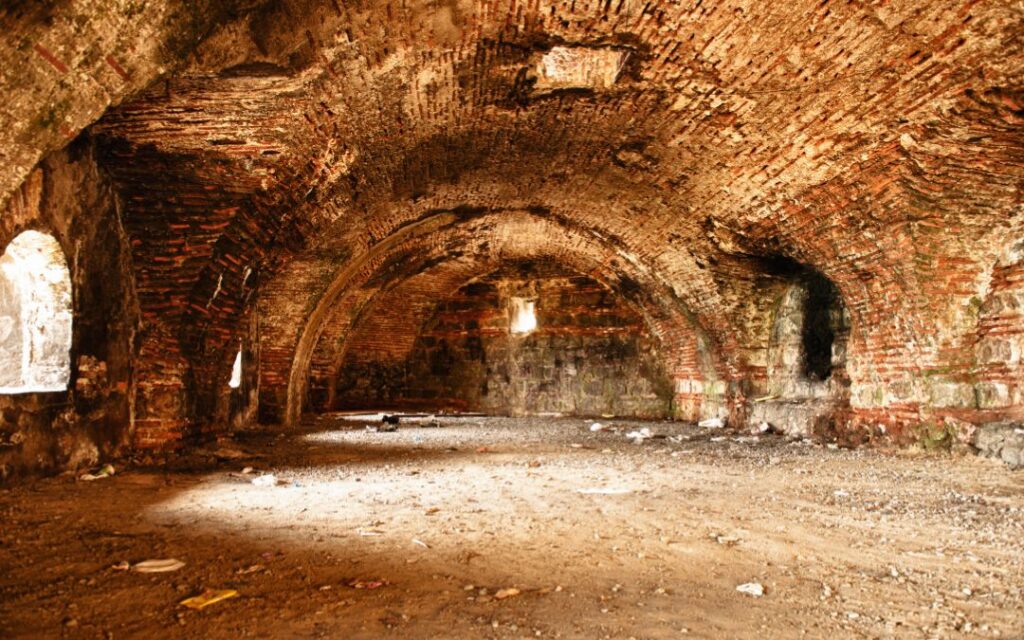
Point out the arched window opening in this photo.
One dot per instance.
(236, 371)
(35, 315)
(524, 315)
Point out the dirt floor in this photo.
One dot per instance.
(602, 538)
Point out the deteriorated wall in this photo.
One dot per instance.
(68, 198)
(281, 168)
(590, 353)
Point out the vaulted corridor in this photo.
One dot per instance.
(779, 243)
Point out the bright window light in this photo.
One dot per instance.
(35, 315)
(524, 315)
(236, 372)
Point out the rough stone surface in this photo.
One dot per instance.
(1003, 441)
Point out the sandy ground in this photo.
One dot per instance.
(847, 544)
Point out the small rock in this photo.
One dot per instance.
(265, 480)
(755, 589)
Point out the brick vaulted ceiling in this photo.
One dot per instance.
(262, 149)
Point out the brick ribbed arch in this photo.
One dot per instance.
(502, 236)
(681, 344)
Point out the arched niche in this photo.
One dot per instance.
(807, 381)
(807, 345)
(35, 315)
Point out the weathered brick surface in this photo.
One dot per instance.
(675, 152)
(415, 273)
(65, 63)
(591, 354)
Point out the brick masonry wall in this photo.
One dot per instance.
(400, 287)
(260, 151)
(999, 350)
(590, 354)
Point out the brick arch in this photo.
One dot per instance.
(517, 234)
(419, 295)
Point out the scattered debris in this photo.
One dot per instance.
(265, 480)
(640, 435)
(158, 566)
(712, 423)
(208, 597)
(105, 471)
(368, 584)
(597, 426)
(799, 486)
(1002, 441)
(755, 589)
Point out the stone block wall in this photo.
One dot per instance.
(999, 350)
